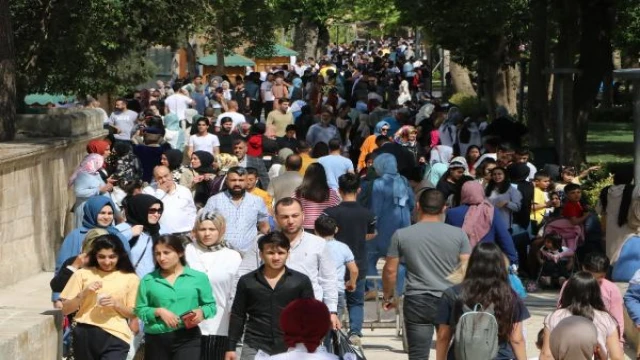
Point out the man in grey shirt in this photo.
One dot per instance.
(430, 250)
(122, 120)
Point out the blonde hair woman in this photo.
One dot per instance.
(210, 255)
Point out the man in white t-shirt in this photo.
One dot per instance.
(179, 208)
(122, 120)
(266, 94)
(232, 113)
(178, 103)
(203, 140)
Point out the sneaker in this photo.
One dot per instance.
(355, 340)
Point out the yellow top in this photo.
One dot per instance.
(367, 147)
(306, 161)
(268, 200)
(538, 198)
(121, 286)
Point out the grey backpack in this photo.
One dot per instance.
(476, 334)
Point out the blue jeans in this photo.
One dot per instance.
(375, 251)
(355, 305)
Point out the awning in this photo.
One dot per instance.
(280, 50)
(230, 60)
(44, 99)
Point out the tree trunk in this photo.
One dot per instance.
(305, 38)
(324, 38)
(506, 88)
(461, 80)
(493, 77)
(538, 95)
(7, 75)
(595, 62)
(220, 58)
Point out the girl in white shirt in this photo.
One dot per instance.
(210, 255)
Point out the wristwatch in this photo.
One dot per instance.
(334, 313)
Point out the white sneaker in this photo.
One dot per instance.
(355, 340)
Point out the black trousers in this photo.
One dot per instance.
(214, 347)
(91, 342)
(181, 344)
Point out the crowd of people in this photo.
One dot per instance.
(214, 214)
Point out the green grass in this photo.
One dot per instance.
(610, 142)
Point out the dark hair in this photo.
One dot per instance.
(540, 338)
(503, 187)
(225, 119)
(114, 243)
(291, 127)
(325, 226)
(555, 238)
(571, 187)
(334, 144)
(172, 241)
(293, 162)
(505, 146)
(480, 169)
(274, 239)
(596, 262)
(622, 175)
(286, 201)
(238, 170)
(466, 156)
(431, 201)
(349, 183)
(381, 139)
(523, 151)
(486, 282)
(251, 171)
(320, 149)
(314, 185)
(581, 295)
(541, 175)
(303, 145)
(282, 100)
(239, 141)
(203, 119)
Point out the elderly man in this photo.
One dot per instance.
(242, 210)
(179, 209)
(244, 160)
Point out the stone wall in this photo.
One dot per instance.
(34, 197)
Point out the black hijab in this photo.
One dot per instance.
(137, 213)
(174, 157)
(206, 162)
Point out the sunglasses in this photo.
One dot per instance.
(153, 211)
(384, 129)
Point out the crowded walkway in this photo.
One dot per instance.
(218, 210)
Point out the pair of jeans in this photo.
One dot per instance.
(248, 353)
(92, 342)
(376, 250)
(355, 305)
(420, 313)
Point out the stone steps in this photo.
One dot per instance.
(29, 327)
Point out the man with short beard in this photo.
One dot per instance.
(224, 135)
(308, 255)
(241, 209)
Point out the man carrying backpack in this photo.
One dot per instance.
(431, 250)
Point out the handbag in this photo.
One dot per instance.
(343, 348)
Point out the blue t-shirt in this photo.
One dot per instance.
(341, 256)
(335, 166)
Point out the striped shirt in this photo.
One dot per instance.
(314, 209)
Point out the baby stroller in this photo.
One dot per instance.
(559, 261)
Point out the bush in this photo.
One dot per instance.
(619, 114)
(469, 105)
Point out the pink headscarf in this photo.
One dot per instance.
(91, 164)
(479, 217)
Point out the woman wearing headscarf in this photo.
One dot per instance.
(100, 147)
(305, 323)
(145, 211)
(295, 90)
(369, 144)
(87, 181)
(406, 137)
(392, 201)
(574, 338)
(433, 174)
(209, 254)
(440, 154)
(480, 220)
(172, 159)
(204, 175)
(97, 212)
(242, 131)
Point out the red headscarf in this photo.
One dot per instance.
(305, 321)
(97, 147)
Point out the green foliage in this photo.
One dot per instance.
(592, 187)
(469, 105)
(627, 31)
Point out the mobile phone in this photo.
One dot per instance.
(188, 318)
